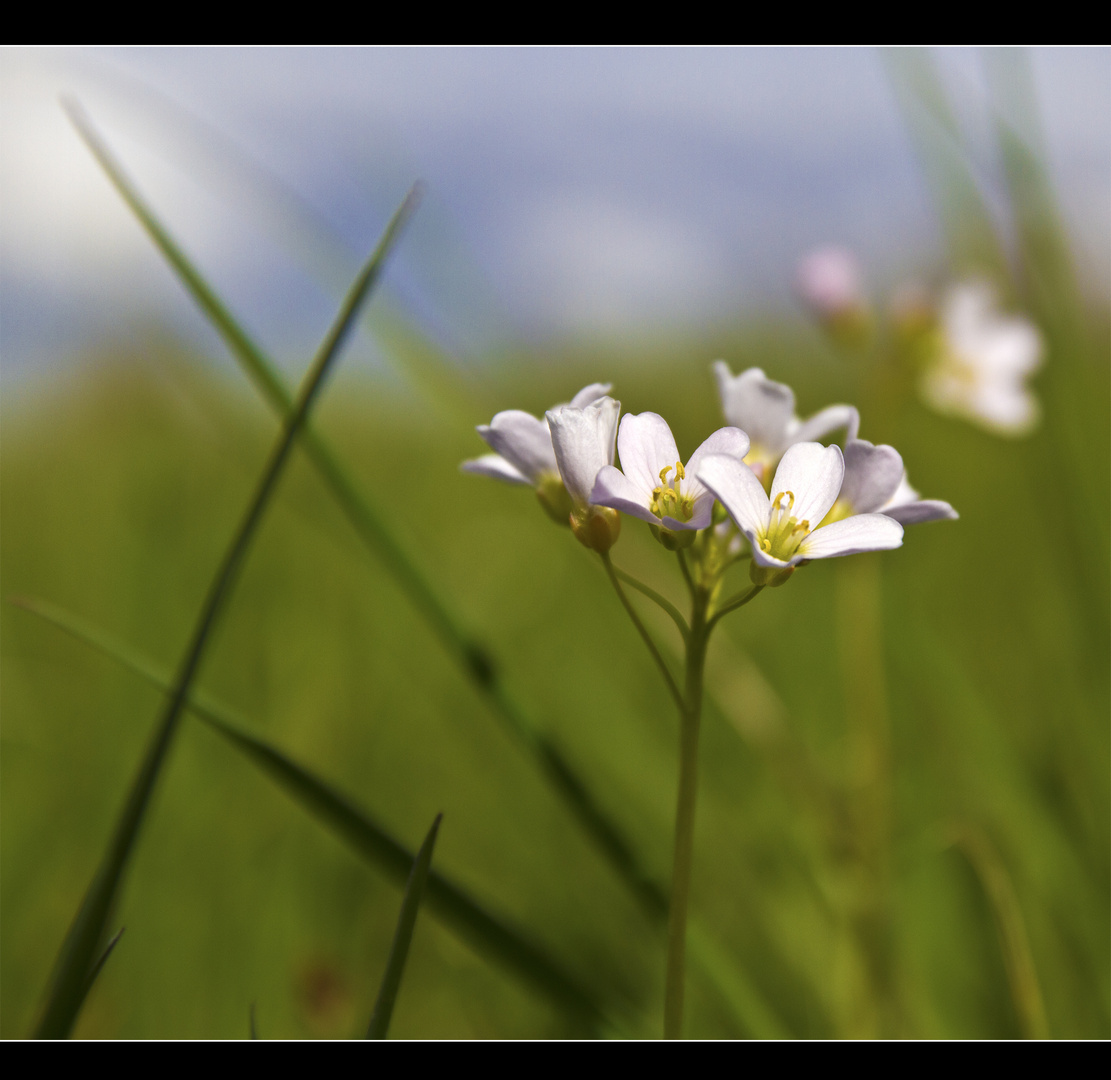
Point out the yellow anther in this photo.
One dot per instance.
(766, 544)
(776, 503)
(663, 474)
(680, 472)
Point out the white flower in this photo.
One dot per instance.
(583, 440)
(524, 453)
(828, 280)
(984, 361)
(653, 484)
(765, 410)
(779, 529)
(876, 482)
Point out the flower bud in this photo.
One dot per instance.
(772, 576)
(596, 527)
(672, 539)
(555, 498)
(828, 281)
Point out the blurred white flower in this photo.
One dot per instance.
(653, 484)
(583, 440)
(828, 281)
(524, 453)
(765, 411)
(779, 528)
(982, 364)
(875, 481)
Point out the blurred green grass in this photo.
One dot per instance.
(842, 891)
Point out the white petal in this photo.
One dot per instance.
(735, 484)
(523, 441)
(755, 404)
(813, 474)
(1005, 406)
(831, 418)
(583, 440)
(494, 465)
(646, 445)
(589, 394)
(872, 475)
(614, 488)
(919, 511)
(862, 532)
(727, 440)
(1011, 347)
(762, 558)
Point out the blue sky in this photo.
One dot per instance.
(569, 192)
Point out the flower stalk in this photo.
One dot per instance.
(690, 721)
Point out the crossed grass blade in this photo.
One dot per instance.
(399, 948)
(488, 934)
(69, 983)
(473, 658)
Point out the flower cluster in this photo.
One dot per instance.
(983, 358)
(790, 497)
(973, 361)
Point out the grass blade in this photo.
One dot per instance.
(68, 984)
(103, 959)
(1013, 939)
(473, 658)
(488, 935)
(970, 233)
(403, 935)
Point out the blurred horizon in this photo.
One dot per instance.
(570, 193)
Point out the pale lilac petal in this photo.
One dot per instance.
(742, 495)
(523, 441)
(922, 510)
(752, 402)
(907, 508)
(701, 514)
(831, 418)
(590, 394)
(852, 535)
(813, 474)
(613, 488)
(703, 508)
(904, 493)
(645, 445)
(872, 475)
(495, 466)
(583, 440)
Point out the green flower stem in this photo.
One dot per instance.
(686, 572)
(647, 638)
(691, 716)
(660, 601)
(733, 603)
(69, 985)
